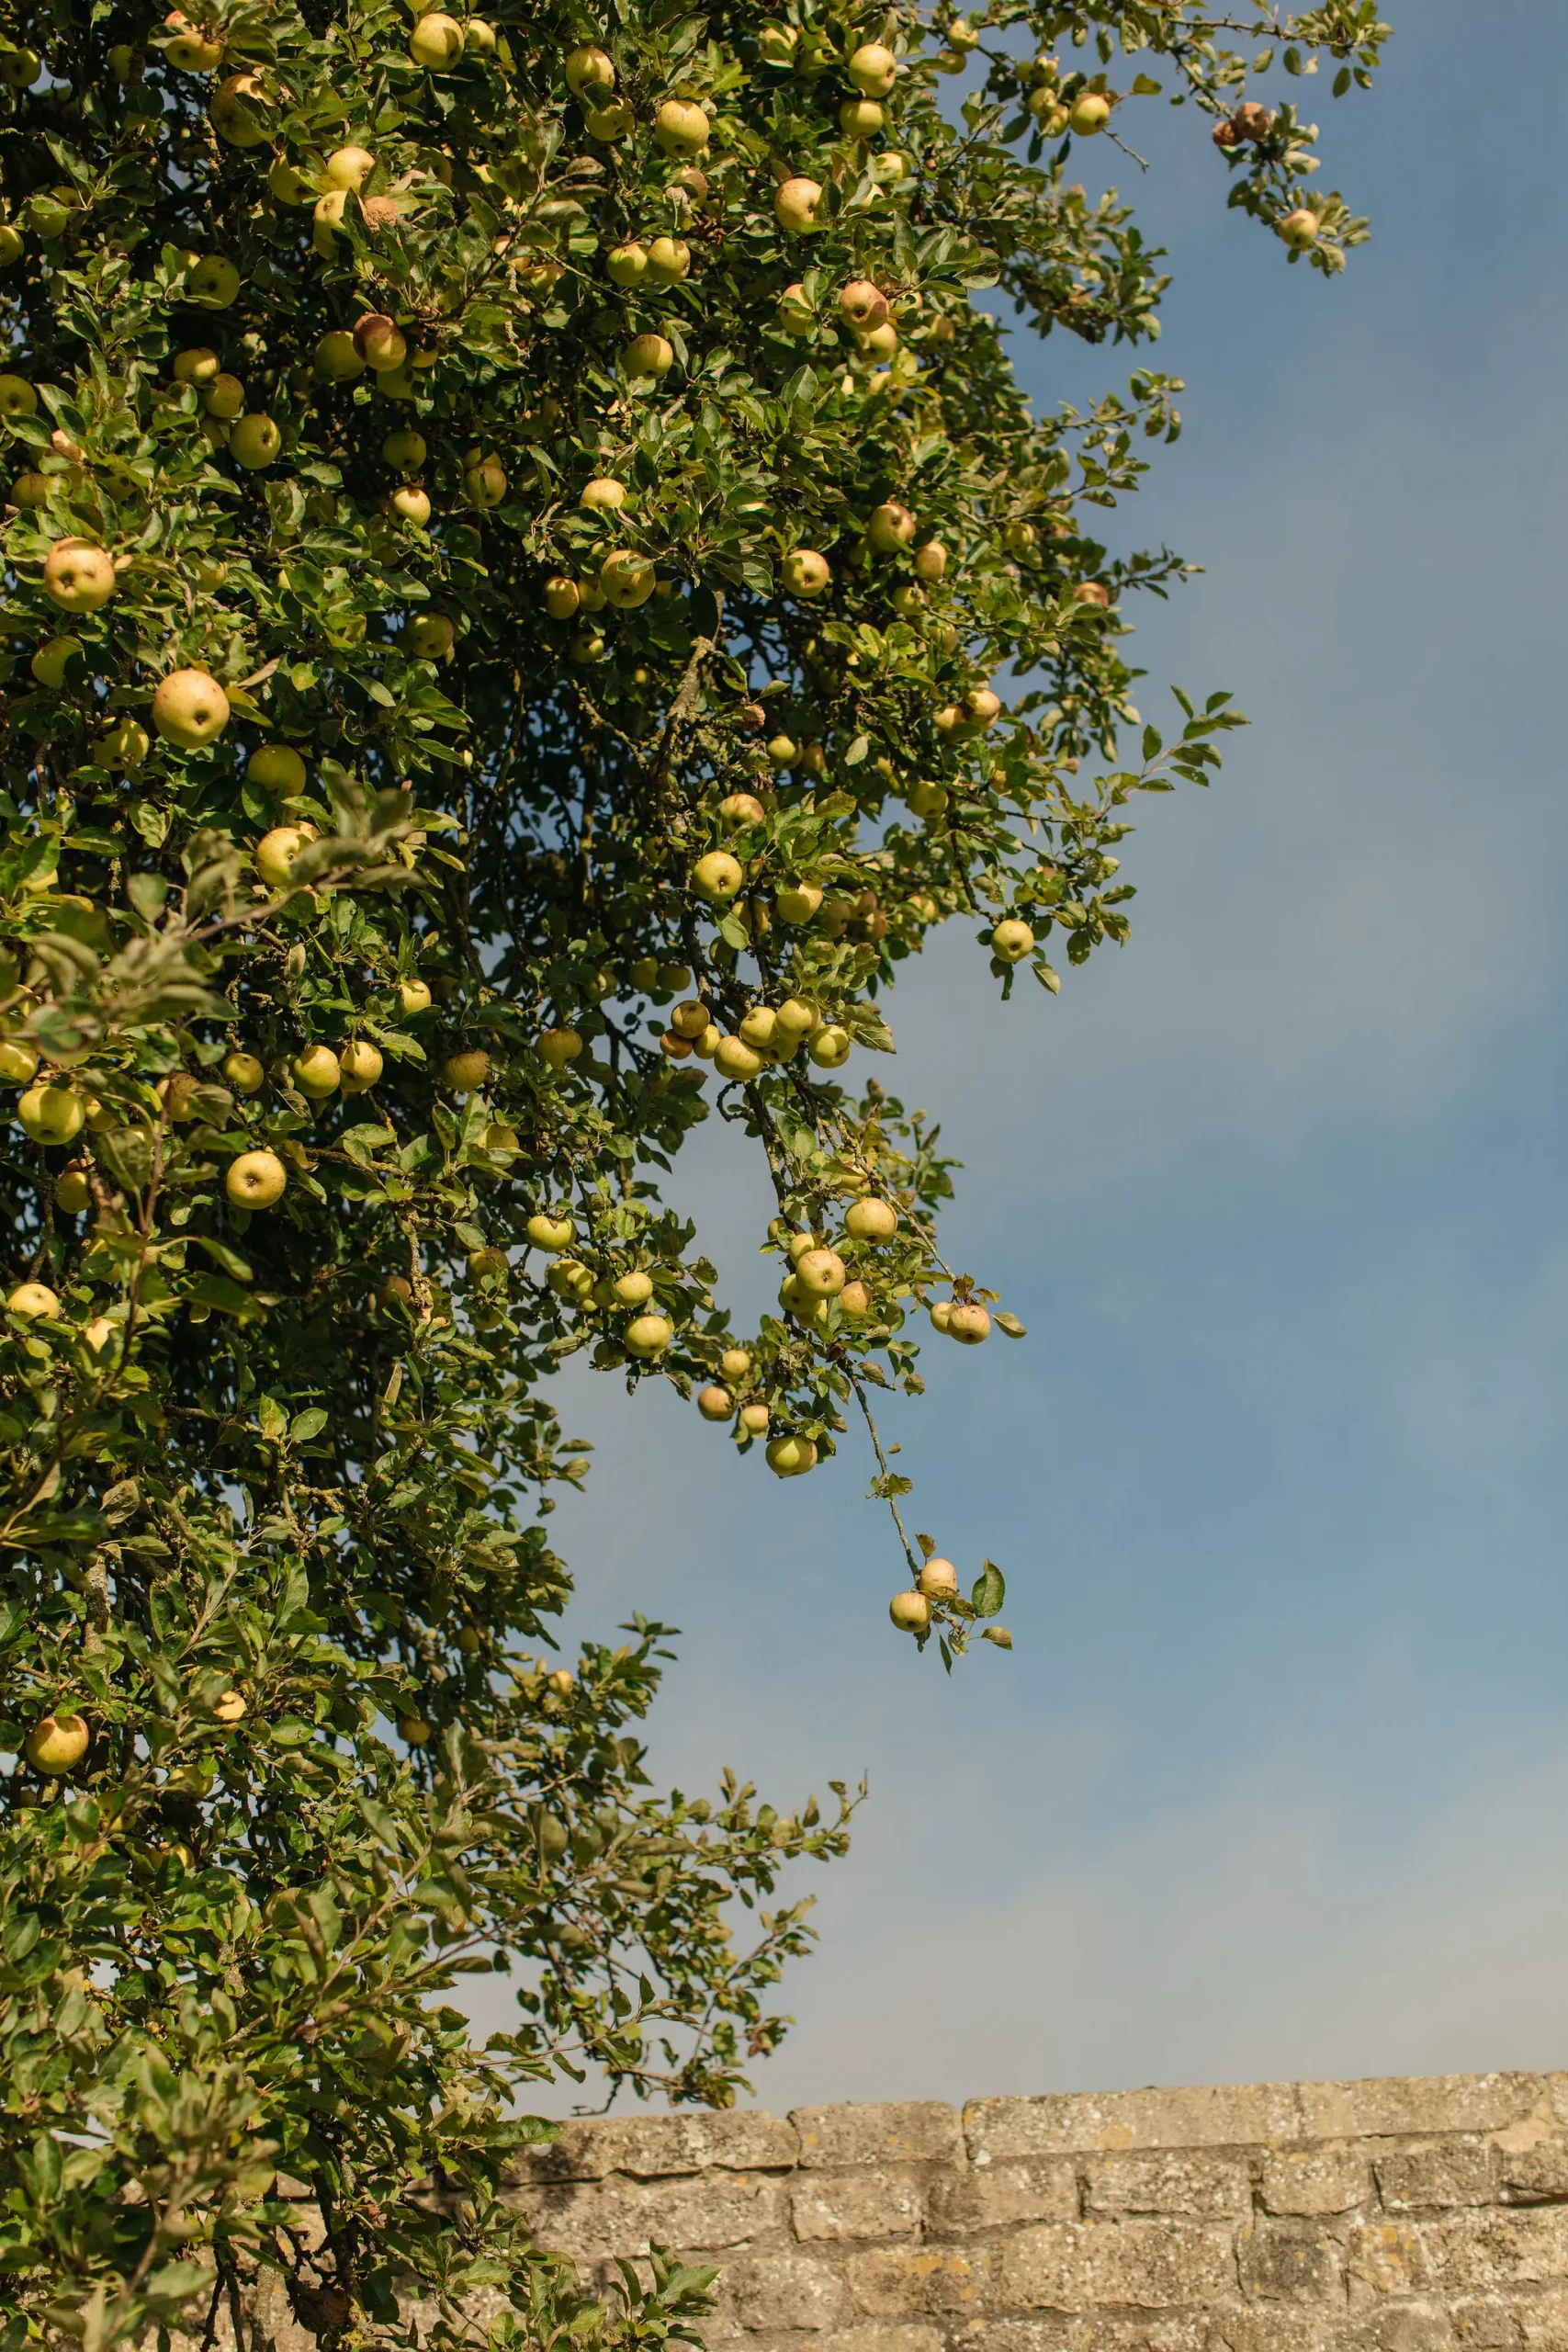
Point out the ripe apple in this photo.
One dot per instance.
(336, 357)
(1092, 592)
(51, 1115)
(627, 579)
(244, 1073)
(715, 1404)
(863, 305)
(17, 398)
(776, 43)
(549, 1233)
(189, 709)
(717, 875)
(381, 342)
(860, 117)
(872, 1220)
(286, 185)
(1300, 229)
(78, 577)
(256, 441)
(647, 1335)
(436, 42)
(589, 70)
(799, 901)
(795, 314)
(820, 1272)
(56, 1744)
(681, 128)
(627, 264)
(17, 1061)
(224, 397)
(829, 1049)
(855, 1299)
(1089, 113)
(806, 573)
(502, 1140)
(939, 1580)
(409, 501)
(559, 1047)
(561, 597)
(910, 1611)
(590, 645)
(733, 1058)
(467, 1071)
(791, 1458)
(52, 663)
(31, 1300)
(349, 167)
(757, 1028)
(11, 247)
(236, 112)
(405, 448)
(880, 343)
(968, 1324)
(415, 1731)
(414, 997)
(940, 1313)
(326, 219)
(30, 490)
(795, 204)
(603, 495)
(892, 526)
(318, 1072)
(125, 745)
(796, 1019)
(646, 358)
(561, 1682)
(689, 1020)
(190, 49)
(981, 708)
(431, 636)
(735, 1362)
(872, 68)
(72, 1193)
(484, 482)
(198, 365)
(1013, 941)
(229, 1706)
(669, 260)
(608, 122)
(256, 1180)
(571, 1280)
(739, 810)
(276, 851)
(753, 1419)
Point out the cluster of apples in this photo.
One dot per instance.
(766, 1034)
(647, 1333)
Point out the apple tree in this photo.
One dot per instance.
(529, 589)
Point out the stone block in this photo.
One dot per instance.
(1403, 2327)
(1152, 2265)
(1487, 2324)
(1203, 2186)
(990, 2197)
(870, 2203)
(1493, 2252)
(1536, 2175)
(1097, 2332)
(900, 2282)
(1324, 2176)
(789, 2290)
(1394, 2107)
(1290, 2262)
(897, 2337)
(1074, 2123)
(1271, 2330)
(589, 2220)
(654, 2147)
(1386, 2257)
(906, 2132)
(1443, 2171)
(1543, 2321)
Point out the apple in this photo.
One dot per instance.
(799, 901)
(480, 37)
(715, 1404)
(256, 1180)
(627, 264)
(17, 1061)
(236, 112)
(561, 597)
(244, 1073)
(561, 1682)
(820, 1272)
(224, 397)
(689, 1020)
(17, 398)
(1092, 592)
(500, 1138)
(78, 577)
(287, 185)
(229, 1706)
(647, 356)
(484, 482)
(589, 69)
(349, 167)
(189, 709)
(549, 1233)
(11, 247)
(681, 128)
(1013, 941)
(51, 663)
(409, 502)
(430, 635)
(198, 365)
(51, 1115)
(796, 1019)
(256, 441)
(318, 1072)
(872, 68)
(880, 343)
(981, 708)
(590, 645)
(855, 1299)
(795, 204)
(806, 573)
(860, 117)
(910, 1611)
(669, 260)
(559, 1047)
(628, 579)
(892, 526)
(735, 1059)
(1252, 121)
(863, 304)
(336, 357)
(436, 42)
(326, 219)
(72, 1193)
(753, 1419)
(608, 122)
(276, 851)
(872, 1220)
(940, 1313)
(791, 1458)
(31, 1300)
(405, 448)
(414, 997)
(56, 1744)
(467, 1071)
(1089, 113)
(795, 314)
(939, 1580)
(829, 1049)
(570, 1281)
(776, 43)
(415, 1731)
(968, 1324)
(381, 342)
(909, 602)
(647, 1335)
(757, 1028)
(1300, 229)
(717, 875)
(603, 495)
(735, 1362)
(30, 490)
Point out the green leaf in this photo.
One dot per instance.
(988, 1591)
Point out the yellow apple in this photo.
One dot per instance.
(799, 901)
(224, 397)
(872, 1220)
(647, 1335)
(589, 70)
(51, 663)
(549, 1233)
(17, 1061)
(559, 1047)
(349, 167)
(753, 1419)
(735, 1362)
(646, 358)
(361, 1065)
(968, 1324)
(1300, 229)
(910, 1611)
(276, 767)
(939, 1580)
(56, 1744)
(627, 579)
(795, 204)
(436, 42)
(717, 875)
(681, 128)
(930, 560)
(244, 1073)
(336, 357)
(1011, 941)
(467, 1071)
(276, 851)
(791, 1458)
(414, 997)
(669, 260)
(80, 577)
(892, 526)
(318, 1072)
(715, 1404)
(872, 68)
(864, 304)
(256, 1180)
(735, 1059)
(1089, 113)
(189, 709)
(431, 636)
(806, 573)
(51, 1115)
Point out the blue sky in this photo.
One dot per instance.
(1273, 1783)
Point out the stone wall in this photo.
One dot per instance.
(1311, 2217)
